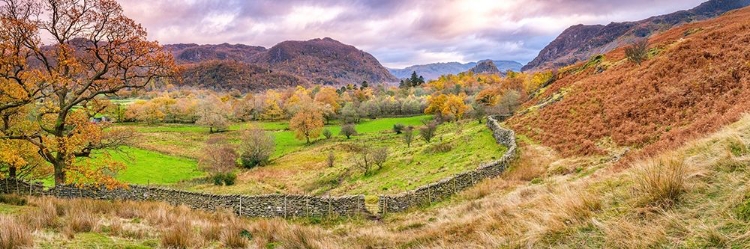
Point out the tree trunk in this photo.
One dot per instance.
(12, 172)
(59, 174)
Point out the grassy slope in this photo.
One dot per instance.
(144, 167)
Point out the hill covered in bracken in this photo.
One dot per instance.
(580, 42)
(290, 63)
(696, 80)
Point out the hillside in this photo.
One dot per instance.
(289, 63)
(435, 70)
(581, 42)
(233, 75)
(696, 80)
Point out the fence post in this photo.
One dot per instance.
(285, 206)
(240, 209)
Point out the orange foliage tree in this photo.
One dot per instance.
(307, 123)
(95, 50)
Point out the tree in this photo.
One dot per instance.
(414, 80)
(219, 159)
(213, 113)
(380, 156)
(256, 147)
(348, 130)
(349, 113)
(478, 112)
(454, 106)
(408, 136)
(93, 50)
(327, 133)
(307, 123)
(638, 51)
(428, 131)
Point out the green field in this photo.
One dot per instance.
(166, 154)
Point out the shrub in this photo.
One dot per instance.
(379, 156)
(327, 133)
(228, 179)
(256, 148)
(638, 51)
(428, 131)
(330, 159)
(348, 130)
(398, 128)
(12, 199)
(661, 182)
(14, 234)
(408, 136)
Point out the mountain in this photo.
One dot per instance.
(581, 42)
(696, 81)
(289, 63)
(324, 61)
(485, 67)
(435, 70)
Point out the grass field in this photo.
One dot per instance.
(166, 154)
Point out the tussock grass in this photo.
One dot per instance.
(660, 182)
(14, 233)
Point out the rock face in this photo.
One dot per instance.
(580, 42)
(290, 63)
(485, 67)
(435, 70)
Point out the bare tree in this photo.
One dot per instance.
(256, 148)
(218, 158)
(428, 131)
(331, 159)
(638, 51)
(380, 156)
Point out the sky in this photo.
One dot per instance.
(399, 33)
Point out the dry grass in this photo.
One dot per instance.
(660, 182)
(180, 235)
(14, 234)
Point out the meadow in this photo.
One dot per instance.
(166, 154)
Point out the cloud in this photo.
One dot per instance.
(397, 32)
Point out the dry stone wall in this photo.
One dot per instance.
(447, 187)
(289, 206)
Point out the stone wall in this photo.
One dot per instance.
(451, 185)
(289, 206)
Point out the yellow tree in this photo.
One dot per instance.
(307, 123)
(328, 96)
(94, 50)
(435, 103)
(454, 106)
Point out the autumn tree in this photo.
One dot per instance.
(93, 50)
(256, 147)
(213, 113)
(454, 106)
(349, 113)
(307, 123)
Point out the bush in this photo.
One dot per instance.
(14, 234)
(256, 148)
(408, 136)
(428, 131)
(331, 159)
(224, 179)
(15, 200)
(379, 156)
(327, 133)
(398, 128)
(348, 131)
(638, 51)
